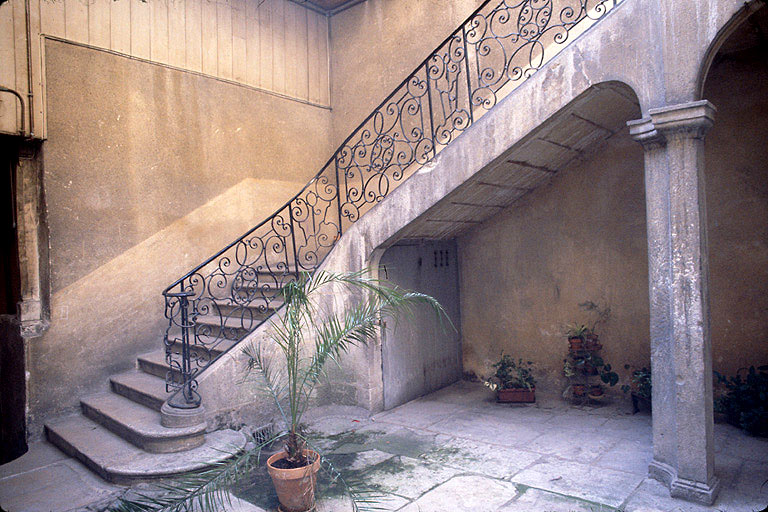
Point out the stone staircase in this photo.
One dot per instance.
(118, 434)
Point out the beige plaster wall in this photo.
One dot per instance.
(134, 146)
(581, 237)
(737, 210)
(376, 44)
(148, 171)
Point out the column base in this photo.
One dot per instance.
(684, 489)
(178, 418)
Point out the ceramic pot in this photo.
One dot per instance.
(295, 487)
(575, 343)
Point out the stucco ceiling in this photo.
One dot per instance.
(569, 137)
(329, 6)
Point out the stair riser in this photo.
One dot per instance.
(215, 331)
(63, 445)
(248, 313)
(158, 370)
(137, 396)
(152, 445)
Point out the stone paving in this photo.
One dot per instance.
(455, 450)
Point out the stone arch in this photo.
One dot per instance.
(735, 23)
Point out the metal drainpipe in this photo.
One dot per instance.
(30, 99)
(21, 101)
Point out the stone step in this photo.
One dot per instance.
(226, 327)
(257, 308)
(140, 425)
(146, 389)
(118, 461)
(154, 363)
(213, 345)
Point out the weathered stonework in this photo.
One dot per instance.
(681, 358)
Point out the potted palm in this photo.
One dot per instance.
(513, 381)
(288, 365)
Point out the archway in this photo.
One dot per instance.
(736, 178)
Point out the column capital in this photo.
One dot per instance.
(692, 119)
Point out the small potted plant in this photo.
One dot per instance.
(513, 381)
(576, 334)
(639, 386)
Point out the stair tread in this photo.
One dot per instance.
(270, 304)
(138, 418)
(228, 321)
(144, 383)
(221, 344)
(116, 459)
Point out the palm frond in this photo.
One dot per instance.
(206, 490)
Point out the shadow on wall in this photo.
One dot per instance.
(103, 320)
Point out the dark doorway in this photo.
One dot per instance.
(12, 381)
(422, 355)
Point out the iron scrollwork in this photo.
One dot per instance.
(222, 300)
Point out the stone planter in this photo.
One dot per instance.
(516, 396)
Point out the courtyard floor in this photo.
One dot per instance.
(456, 450)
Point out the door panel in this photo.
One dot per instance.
(419, 354)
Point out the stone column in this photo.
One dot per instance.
(681, 358)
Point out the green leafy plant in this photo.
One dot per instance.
(607, 375)
(745, 403)
(511, 374)
(640, 382)
(600, 314)
(568, 369)
(288, 366)
(576, 331)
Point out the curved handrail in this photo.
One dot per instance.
(232, 292)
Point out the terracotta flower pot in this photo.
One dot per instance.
(516, 396)
(578, 389)
(575, 343)
(295, 487)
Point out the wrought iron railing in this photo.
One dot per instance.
(231, 293)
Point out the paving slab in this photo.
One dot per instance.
(392, 439)
(740, 444)
(40, 454)
(631, 427)
(632, 456)
(582, 481)
(653, 496)
(489, 430)
(537, 500)
(470, 456)
(580, 420)
(582, 446)
(528, 414)
(419, 413)
(752, 480)
(58, 487)
(407, 477)
(469, 394)
(464, 493)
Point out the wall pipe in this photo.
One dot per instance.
(21, 101)
(30, 98)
